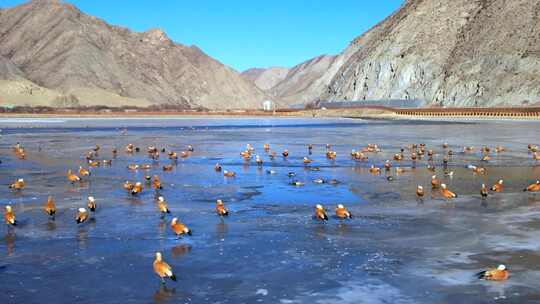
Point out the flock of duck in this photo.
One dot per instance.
(164, 270)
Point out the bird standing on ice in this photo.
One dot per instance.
(162, 206)
(320, 214)
(49, 207)
(342, 212)
(91, 203)
(82, 215)
(9, 216)
(498, 186)
(179, 228)
(447, 193)
(220, 208)
(162, 269)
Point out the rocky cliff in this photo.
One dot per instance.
(55, 46)
(451, 53)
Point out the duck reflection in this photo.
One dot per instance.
(50, 225)
(163, 294)
(82, 236)
(221, 229)
(180, 250)
(10, 242)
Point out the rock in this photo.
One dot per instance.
(448, 53)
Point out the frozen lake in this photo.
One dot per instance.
(269, 250)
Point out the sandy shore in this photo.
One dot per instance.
(361, 113)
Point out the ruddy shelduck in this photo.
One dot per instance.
(162, 269)
(483, 191)
(498, 186)
(137, 188)
(162, 206)
(91, 203)
(72, 178)
(18, 184)
(128, 186)
(9, 216)
(81, 216)
(83, 171)
(156, 183)
(220, 208)
(320, 214)
(229, 173)
(533, 187)
(447, 193)
(49, 207)
(374, 170)
(179, 228)
(342, 212)
(420, 191)
(496, 274)
(435, 183)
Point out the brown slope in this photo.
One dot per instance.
(253, 73)
(8, 70)
(457, 53)
(57, 46)
(265, 79)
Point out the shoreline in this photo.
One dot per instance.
(357, 113)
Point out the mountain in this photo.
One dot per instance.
(265, 79)
(303, 83)
(54, 45)
(450, 53)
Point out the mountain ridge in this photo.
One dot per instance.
(58, 47)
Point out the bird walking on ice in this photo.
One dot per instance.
(162, 269)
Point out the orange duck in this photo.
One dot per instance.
(497, 274)
(229, 173)
(83, 171)
(483, 191)
(72, 177)
(18, 184)
(179, 228)
(420, 191)
(137, 188)
(9, 216)
(220, 208)
(49, 207)
(162, 269)
(435, 183)
(156, 183)
(342, 212)
(320, 214)
(81, 216)
(498, 186)
(162, 206)
(91, 203)
(533, 187)
(447, 193)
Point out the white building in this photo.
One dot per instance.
(268, 105)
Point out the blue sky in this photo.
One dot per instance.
(244, 34)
